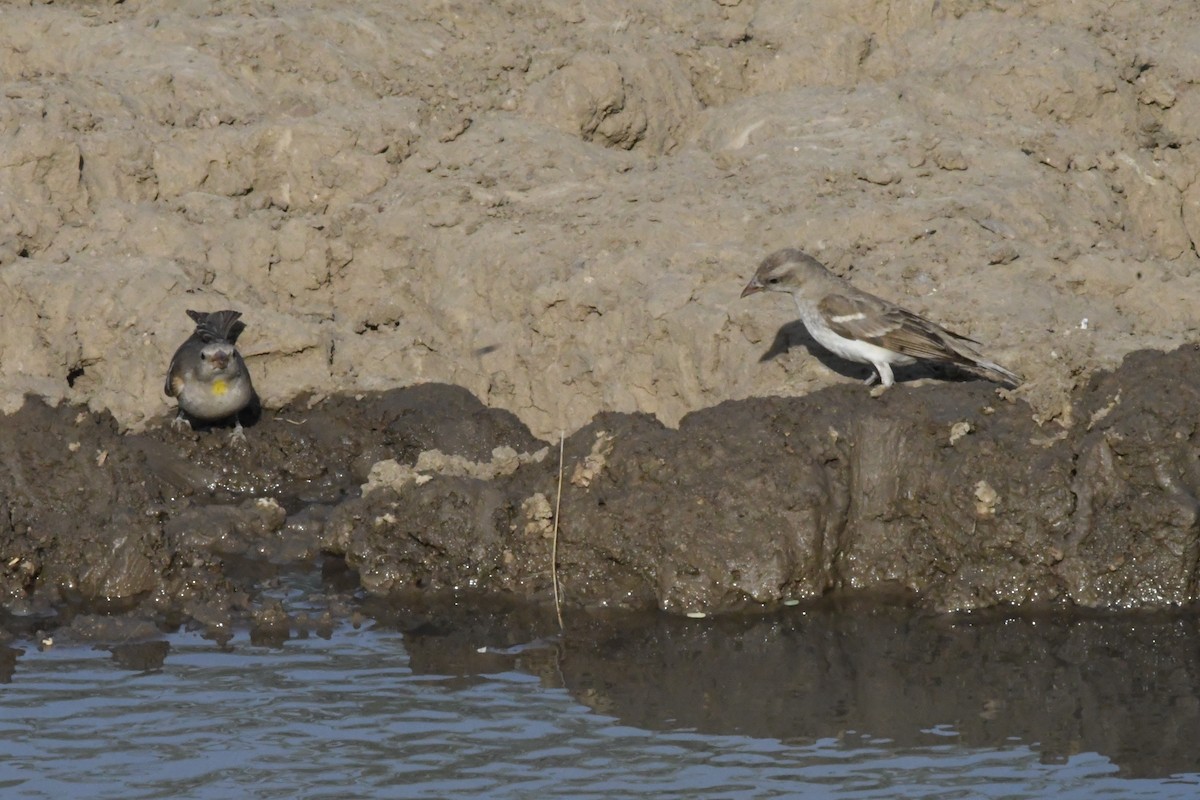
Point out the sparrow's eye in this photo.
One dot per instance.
(772, 280)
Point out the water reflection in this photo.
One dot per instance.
(141, 656)
(810, 695)
(1123, 685)
(8, 662)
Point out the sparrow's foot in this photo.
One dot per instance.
(879, 390)
(180, 423)
(238, 436)
(870, 379)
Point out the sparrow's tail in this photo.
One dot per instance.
(970, 359)
(993, 372)
(217, 326)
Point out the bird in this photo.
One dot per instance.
(207, 375)
(866, 329)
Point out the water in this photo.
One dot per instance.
(847, 703)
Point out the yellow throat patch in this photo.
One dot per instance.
(219, 387)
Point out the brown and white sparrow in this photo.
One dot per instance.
(863, 328)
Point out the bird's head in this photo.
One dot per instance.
(784, 270)
(217, 358)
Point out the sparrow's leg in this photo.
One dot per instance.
(238, 434)
(885, 373)
(180, 423)
(871, 379)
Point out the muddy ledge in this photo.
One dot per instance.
(946, 492)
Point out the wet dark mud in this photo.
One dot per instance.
(947, 494)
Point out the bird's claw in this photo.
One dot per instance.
(238, 436)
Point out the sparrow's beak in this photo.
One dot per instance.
(755, 285)
(220, 359)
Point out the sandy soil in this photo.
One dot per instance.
(555, 204)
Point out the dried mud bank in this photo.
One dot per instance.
(946, 492)
(522, 196)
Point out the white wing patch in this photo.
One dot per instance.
(848, 318)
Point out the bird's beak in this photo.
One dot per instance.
(221, 359)
(755, 285)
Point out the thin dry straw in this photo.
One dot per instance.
(554, 543)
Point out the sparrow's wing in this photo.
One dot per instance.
(174, 384)
(871, 319)
(179, 365)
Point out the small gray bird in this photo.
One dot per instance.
(864, 328)
(208, 376)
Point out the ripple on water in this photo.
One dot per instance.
(349, 717)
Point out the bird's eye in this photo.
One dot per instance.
(772, 280)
